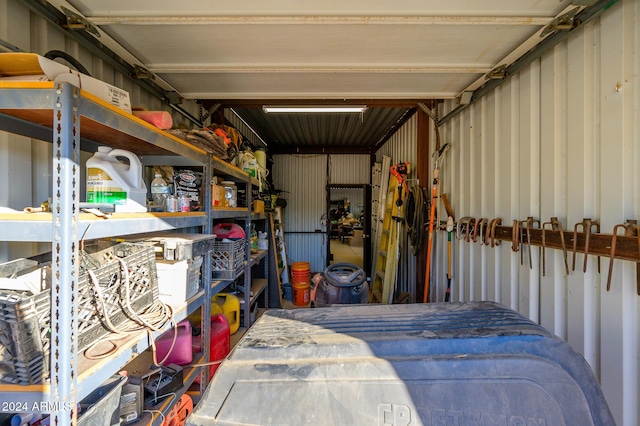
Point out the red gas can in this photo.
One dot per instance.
(219, 344)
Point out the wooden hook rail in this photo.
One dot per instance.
(627, 245)
(599, 244)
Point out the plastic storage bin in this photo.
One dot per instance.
(453, 363)
(227, 259)
(178, 281)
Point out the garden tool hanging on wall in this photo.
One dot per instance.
(434, 199)
(400, 172)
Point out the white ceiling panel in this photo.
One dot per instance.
(230, 50)
(372, 48)
(167, 47)
(316, 85)
(322, 7)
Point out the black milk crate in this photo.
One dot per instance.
(25, 326)
(227, 259)
(24, 343)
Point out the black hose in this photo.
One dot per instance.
(415, 216)
(53, 54)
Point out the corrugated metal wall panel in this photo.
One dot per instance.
(303, 177)
(28, 161)
(403, 145)
(322, 130)
(349, 169)
(560, 139)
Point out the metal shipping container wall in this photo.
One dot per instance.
(561, 138)
(25, 164)
(303, 179)
(351, 170)
(402, 146)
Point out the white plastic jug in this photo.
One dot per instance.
(248, 163)
(110, 181)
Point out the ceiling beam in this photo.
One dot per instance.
(246, 69)
(320, 20)
(370, 103)
(327, 149)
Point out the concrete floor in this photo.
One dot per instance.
(344, 253)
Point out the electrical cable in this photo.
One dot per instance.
(151, 319)
(53, 54)
(152, 412)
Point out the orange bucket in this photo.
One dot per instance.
(300, 293)
(300, 272)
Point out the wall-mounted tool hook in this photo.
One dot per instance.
(556, 226)
(587, 224)
(521, 238)
(492, 231)
(529, 222)
(486, 238)
(462, 226)
(631, 230)
(479, 224)
(516, 238)
(471, 223)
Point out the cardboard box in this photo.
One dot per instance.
(19, 66)
(356, 238)
(258, 206)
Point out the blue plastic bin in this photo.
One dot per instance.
(477, 363)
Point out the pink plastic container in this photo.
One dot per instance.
(181, 354)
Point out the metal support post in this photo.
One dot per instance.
(65, 262)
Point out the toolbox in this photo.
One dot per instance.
(424, 364)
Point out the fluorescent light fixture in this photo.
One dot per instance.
(315, 109)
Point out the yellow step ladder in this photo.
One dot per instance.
(387, 257)
(380, 180)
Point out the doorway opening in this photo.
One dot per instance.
(349, 224)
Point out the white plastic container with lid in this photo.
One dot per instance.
(110, 181)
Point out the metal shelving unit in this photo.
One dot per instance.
(244, 215)
(71, 120)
